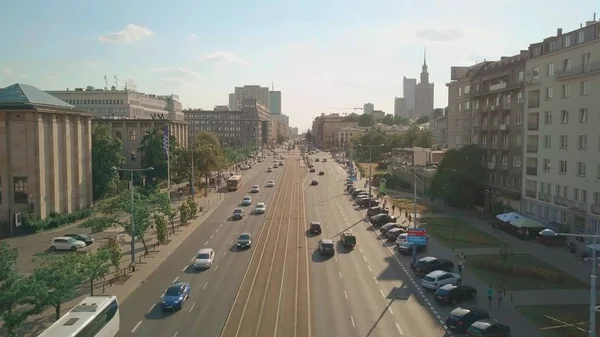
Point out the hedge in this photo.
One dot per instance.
(54, 220)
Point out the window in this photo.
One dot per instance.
(566, 64)
(521, 76)
(549, 92)
(518, 118)
(519, 97)
(580, 36)
(565, 90)
(546, 165)
(132, 136)
(517, 161)
(567, 41)
(21, 195)
(536, 72)
(582, 142)
(460, 108)
(459, 91)
(505, 139)
(504, 160)
(548, 117)
(547, 141)
(476, 122)
(518, 140)
(564, 116)
(118, 135)
(585, 88)
(581, 169)
(562, 167)
(583, 115)
(564, 141)
(585, 61)
(550, 69)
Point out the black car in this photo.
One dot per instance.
(406, 248)
(82, 237)
(460, 319)
(451, 294)
(364, 203)
(326, 247)
(376, 210)
(315, 227)
(428, 264)
(321, 173)
(238, 214)
(381, 219)
(348, 239)
(314, 182)
(356, 191)
(312, 170)
(486, 328)
(244, 241)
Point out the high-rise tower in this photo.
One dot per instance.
(424, 92)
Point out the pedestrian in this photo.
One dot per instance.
(409, 218)
(384, 203)
(490, 294)
(460, 267)
(406, 213)
(393, 209)
(499, 296)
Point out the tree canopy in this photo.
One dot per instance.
(153, 154)
(413, 137)
(107, 152)
(460, 177)
(207, 155)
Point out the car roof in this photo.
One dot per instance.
(315, 223)
(271, 181)
(427, 259)
(347, 234)
(205, 250)
(238, 210)
(328, 241)
(247, 197)
(483, 324)
(245, 234)
(260, 204)
(394, 230)
(178, 284)
(61, 237)
(437, 273)
(255, 186)
(448, 287)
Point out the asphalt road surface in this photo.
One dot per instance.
(213, 290)
(273, 297)
(364, 291)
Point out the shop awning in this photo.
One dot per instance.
(508, 217)
(523, 222)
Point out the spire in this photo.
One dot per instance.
(424, 73)
(425, 56)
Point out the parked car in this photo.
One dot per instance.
(364, 203)
(312, 170)
(428, 264)
(460, 319)
(82, 237)
(269, 169)
(406, 248)
(66, 243)
(348, 239)
(382, 219)
(326, 247)
(393, 233)
(487, 328)
(376, 210)
(315, 227)
(321, 173)
(388, 226)
(437, 278)
(452, 294)
(356, 192)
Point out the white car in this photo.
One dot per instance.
(401, 238)
(260, 208)
(271, 183)
(205, 258)
(255, 189)
(269, 169)
(438, 278)
(66, 243)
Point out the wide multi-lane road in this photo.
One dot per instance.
(273, 299)
(363, 292)
(213, 290)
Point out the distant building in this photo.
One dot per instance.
(439, 128)
(368, 108)
(294, 132)
(256, 92)
(324, 127)
(45, 156)
(378, 114)
(400, 107)
(344, 135)
(409, 88)
(275, 103)
(424, 93)
(116, 103)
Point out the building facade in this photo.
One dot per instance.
(324, 127)
(344, 135)
(424, 92)
(496, 94)
(256, 92)
(275, 103)
(439, 128)
(294, 132)
(368, 108)
(400, 107)
(122, 103)
(45, 156)
(562, 173)
(378, 114)
(409, 89)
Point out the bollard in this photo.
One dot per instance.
(110, 282)
(103, 287)
(504, 291)
(511, 297)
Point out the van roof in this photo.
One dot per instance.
(205, 251)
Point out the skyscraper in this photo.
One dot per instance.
(256, 92)
(408, 87)
(400, 107)
(275, 102)
(424, 92)
(368, 108)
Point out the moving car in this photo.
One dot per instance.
(348, 239)
(269, 169)
(321, 173)
(238, 214)
(406, 248)
(312, 170)
(452, 294)
(326, 247)
(487, 328)
(324, 160)
(315, 227)
(280, 163)
(428, 264)
(244, 240)
(314, 182)
(66, 243)
(82, 237)
(317, 160)
(247, 201)
(175, 295)
(255, 189)
(271, 183)
(460, 319)
(260, 208)
(437, 278)
(205, 258)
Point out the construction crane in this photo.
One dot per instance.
(346, 109)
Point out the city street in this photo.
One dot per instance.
(213, 290)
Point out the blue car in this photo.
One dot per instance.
(176, 294)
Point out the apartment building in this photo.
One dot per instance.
(497, 106)
(439, 127)
(256, 92)
(324, 127)
(122, 103)
(368, 108)
(343, 136)
(562, 143)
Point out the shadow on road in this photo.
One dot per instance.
(191, 270)
(318, 257)
(343, 249)
(158, 313)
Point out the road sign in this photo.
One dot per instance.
(382, 184)
(417, 232)
(417, 240)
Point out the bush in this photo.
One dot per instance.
(54, 220)
(382, 165)
(542, 274)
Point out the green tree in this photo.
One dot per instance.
(184, 213)
(153, 154)
(401, 120)
(142, 221)
(459, 177)
(166, 208)
(366, 120)
(107, 152)
(388, 119)
(353, 117)
(208, 155)
(161, 227)
(95, 266)
(422, 120)
(192, 207)
(59, 276)
(114, 254)
(98, 224)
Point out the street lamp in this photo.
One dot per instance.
(414, 172)
(192, 150)
(550, 233)
(132, 198)
(370, 147)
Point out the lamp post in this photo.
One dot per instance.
(370, 147)
(192, 150)
(593, 295)
(132, 203)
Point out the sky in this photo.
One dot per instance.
(324, 56)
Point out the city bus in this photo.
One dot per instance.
(95, 316)
(234, 182)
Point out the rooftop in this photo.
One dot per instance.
(26, 95)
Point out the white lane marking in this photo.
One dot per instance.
(236, 233)
(335, 258)
(224, 254)
(231, 242)
(382, 293)
(340, 274)
(217, 267)
(212, 236)
(192, 307)
(390, 310)
(175, 280)
(360, 250)
(136, 326)
(193, 259)
(365, 258)
(175, 335)
(151, 308)
(206, 243)
(345, 294)
(205, 284)
(399, 329)
(216, 230)
(184, 269)
(352, 319)
(221, 225)
(375, 279)
(371, 270)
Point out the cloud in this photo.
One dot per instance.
(302, 44)
(222, 57)
(130, 34)
(439, 35)
(176, 75)
(192, 35)
(6, 71)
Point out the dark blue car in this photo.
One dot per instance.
(176, 294)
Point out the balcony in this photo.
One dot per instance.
(544, 196)
(494, 146)
(532, 148)
(504, 146)
(502, 127)
(501, 86)
(580, 70)
(529, 193)
(532, 171)
(576, 206)
(504, 167)
(494, 108)
(561, 201)
(595, 209)
(533, 126)
(491, 166)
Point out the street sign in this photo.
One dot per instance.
(417, 232)
(418, 236)
(382, 184)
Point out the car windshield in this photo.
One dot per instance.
(237, 211)
(255, 186)
(244, 237)
(328, 245)
(246, 198)
(260, 206)
(173, 291)
(315, 225)
(429, 279)
(203, 256)
(350, 239)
